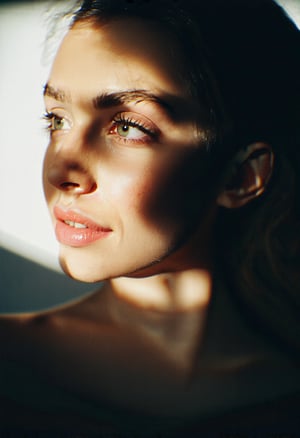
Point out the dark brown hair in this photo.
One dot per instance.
(242, 63)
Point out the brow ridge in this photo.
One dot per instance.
(56, 93)
(106, 100)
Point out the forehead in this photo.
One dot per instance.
(126, 53)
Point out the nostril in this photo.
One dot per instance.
(68, 185)
(78, 188)
(93, 187)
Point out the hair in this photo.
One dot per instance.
(242, 64)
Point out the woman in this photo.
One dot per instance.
(171, 173)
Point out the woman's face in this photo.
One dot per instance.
(122, 173)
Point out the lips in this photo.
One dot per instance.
(74, 229)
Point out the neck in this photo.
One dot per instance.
(169, 310)
(168, 292)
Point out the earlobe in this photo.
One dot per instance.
(250, 175)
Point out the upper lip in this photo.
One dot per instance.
(73, 216)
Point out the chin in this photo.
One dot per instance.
(81, 269)
(79, 274)
(93, 271)
(96, 272)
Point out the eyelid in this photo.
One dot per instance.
(137, 120)
(148, 131)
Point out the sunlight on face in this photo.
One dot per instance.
(118, 172)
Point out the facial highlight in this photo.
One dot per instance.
(123, 169)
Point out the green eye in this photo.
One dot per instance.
(59, 124)
(131, 131)
(56, 123)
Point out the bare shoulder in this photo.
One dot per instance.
(17, 329)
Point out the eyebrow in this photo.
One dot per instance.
(113, 99)
(108, 100)
(56, 93)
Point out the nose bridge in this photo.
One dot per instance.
(70, 165)
(72, 145)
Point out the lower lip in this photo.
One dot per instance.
(78, 237)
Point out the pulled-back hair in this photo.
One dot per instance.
(243, 65)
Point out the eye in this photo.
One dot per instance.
(129, 129)
(56, 123)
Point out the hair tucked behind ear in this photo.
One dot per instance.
(259, 252)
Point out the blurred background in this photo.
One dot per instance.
(30, 278)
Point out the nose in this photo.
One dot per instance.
(72, 177)
(69, 170)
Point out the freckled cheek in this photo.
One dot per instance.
(128, 192)
(147, 196)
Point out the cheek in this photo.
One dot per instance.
(174, 194)
(48, 188)
(129, 191)
(164, 194)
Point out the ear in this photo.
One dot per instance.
(251, 172)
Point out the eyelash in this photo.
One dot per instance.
(119, 120)
(123, 120)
